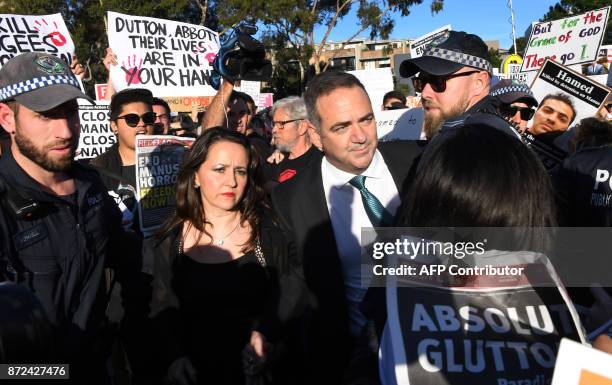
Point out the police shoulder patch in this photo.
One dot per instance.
(51, 65)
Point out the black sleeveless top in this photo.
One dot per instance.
(219, 303)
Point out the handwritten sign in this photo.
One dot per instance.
(187, 103)
(41, 33)
(587, 95)
(167, 57)
(265, 100)
(96, 135)
(572, 40)
(399, 124)
(420, 44)
(251, 88)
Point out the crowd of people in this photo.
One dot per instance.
(257, 277)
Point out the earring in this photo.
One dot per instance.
(197, 187)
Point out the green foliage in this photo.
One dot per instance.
(565, 8)
(494, 58)
(521, 43)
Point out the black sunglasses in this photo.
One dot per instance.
(510, 111)
(437, 83)
(132, 120)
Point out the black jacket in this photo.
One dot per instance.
(288, 299)
(64, 248)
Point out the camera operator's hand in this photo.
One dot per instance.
(181, 372)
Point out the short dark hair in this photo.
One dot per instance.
(161, 102)
(130, 95)
(480, 176)
(246, 98)
(394, 95)
(324, 84)
(563, 99)
(591, 132)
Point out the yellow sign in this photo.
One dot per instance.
(511, 59)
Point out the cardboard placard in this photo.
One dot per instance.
(167, 57)
(35, 33)
(96, 135)
(420, 44)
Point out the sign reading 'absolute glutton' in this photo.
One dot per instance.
(167, 57)
(41, 33)
(573, 40)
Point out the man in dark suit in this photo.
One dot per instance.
(356, 183)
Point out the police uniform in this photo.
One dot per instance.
(58, 246)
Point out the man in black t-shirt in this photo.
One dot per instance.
(290, 126)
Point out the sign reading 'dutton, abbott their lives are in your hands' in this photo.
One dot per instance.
(573, 40)
(167, 57)
(41, 33)
(587, 95)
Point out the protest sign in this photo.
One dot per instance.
(34, 33)
(251, 88)
(478, 328)
(96, 135)
(101, 91)
(377, 83)
(187, 103)
(158, 159)
(265, 100)
(167, 57)
(578, 364)
(511, 59)
(399, 124)
(572, 40)
(587, 95)
(420, 44)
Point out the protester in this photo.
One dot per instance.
(59, 228)
(290, 130)
(162, 120)
(554, 115)
(477, 177)
(393, 100)
(224, 271)
(325, 208)
(453, 79)
(516, 102)
(130, 115)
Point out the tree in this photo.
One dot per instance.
(293, 21)
(494, 58)
(565, 8)
(521, 43)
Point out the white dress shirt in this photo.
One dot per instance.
(348, 216)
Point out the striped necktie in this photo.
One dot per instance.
(377, 213)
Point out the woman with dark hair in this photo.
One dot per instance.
(428, 326)
(224, 277)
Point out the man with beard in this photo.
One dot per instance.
(57, 224)
(454, 79)
(290, 127)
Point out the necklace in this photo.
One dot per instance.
(221, 241)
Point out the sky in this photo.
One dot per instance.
(488, 19)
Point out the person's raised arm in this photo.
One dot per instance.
(215, 113)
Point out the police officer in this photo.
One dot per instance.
(454, 81)
(58, 225)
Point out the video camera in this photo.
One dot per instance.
(241, 57)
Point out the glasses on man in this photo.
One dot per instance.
(394, 106)
(281, 124)
(510, 111)
(132, 120)
(437, 82)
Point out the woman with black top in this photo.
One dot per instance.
(224, 280)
